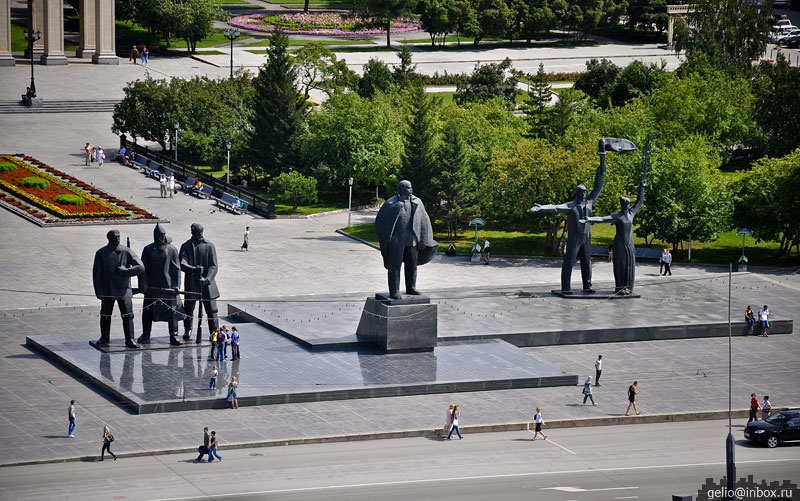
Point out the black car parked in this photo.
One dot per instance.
(783, 426)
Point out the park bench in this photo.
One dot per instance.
(232, 203)
(206, 191)
(641, 252)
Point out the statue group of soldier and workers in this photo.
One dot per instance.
(159, 272)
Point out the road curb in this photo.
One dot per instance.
(677, 417)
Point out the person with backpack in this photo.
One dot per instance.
(587, 390)
(539, 421)
(203, 449)
(222, 342)
(107, 439)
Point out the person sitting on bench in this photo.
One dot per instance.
(27, 98)
(197, 186)
(124, 156)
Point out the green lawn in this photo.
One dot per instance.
(449, 38)
(18, 42)
(136, 32)
(265, 43)
(210, 53)
(327, 202)
(222, 3)
(726, 249)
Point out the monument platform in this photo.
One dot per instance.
(533, 316)
(276, 370)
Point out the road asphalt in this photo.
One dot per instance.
(644, 462)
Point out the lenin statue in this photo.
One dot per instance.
(114, 265)
(405, 236)
(198, 258)
(160, 283)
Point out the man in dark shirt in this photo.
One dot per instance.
(204, 450)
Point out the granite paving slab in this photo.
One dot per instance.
(275, 370)
(526, 315)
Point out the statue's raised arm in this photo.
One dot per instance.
(645, 178)
(604, 145)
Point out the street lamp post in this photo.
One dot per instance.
(177, 126)
(231, 34)
(228, 170)
(31, 36)
(349, 200)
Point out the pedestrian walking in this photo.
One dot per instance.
(134, 54)
(72, 419)
(212, 448)
(171, 184)
(163, 182)
(235, 340)
(598, 369)
(145, 54)
(487, 247)
(101, 156)
(454, 427)
(750, 318)
(203, 449)
(662, 259)
(633, 390)
(107, 439)
(234, 401)
(754, 407)
(763, 316)
(539, 423)
(94, 154)
(666, 262)
(213, 339)
(212, 384)
(587, 390)
(448, 419)
(246, 243)
(766, 407)
(87, 151)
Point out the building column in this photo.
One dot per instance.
(54, 33)
(105, 43)
(35, 22)
(6, 58)
(670, 23)
(87, 22)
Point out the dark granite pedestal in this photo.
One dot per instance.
(155, 343)
(399, 325)
(593, 294)
(276, 370)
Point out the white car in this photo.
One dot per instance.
(788, 34)
(783, 31)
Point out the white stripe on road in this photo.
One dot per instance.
(474, 477)
(579, 489)
(628, 497)
(559, 446)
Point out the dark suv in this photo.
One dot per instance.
(783, 426)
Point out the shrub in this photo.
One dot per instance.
(295, 188)
(68, 199)
(34, 182)
(7, 167)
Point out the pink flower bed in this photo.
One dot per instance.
(322, 24)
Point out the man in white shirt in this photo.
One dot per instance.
(763, 316)
(486, 248)
(598, 369)
(163, 181)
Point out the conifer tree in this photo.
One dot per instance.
(537, 104)
(419, 157)
(278, 111)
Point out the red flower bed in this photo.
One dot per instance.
(39, 204)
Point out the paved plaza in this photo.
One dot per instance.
(46, 290)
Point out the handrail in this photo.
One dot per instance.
(256, 203)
